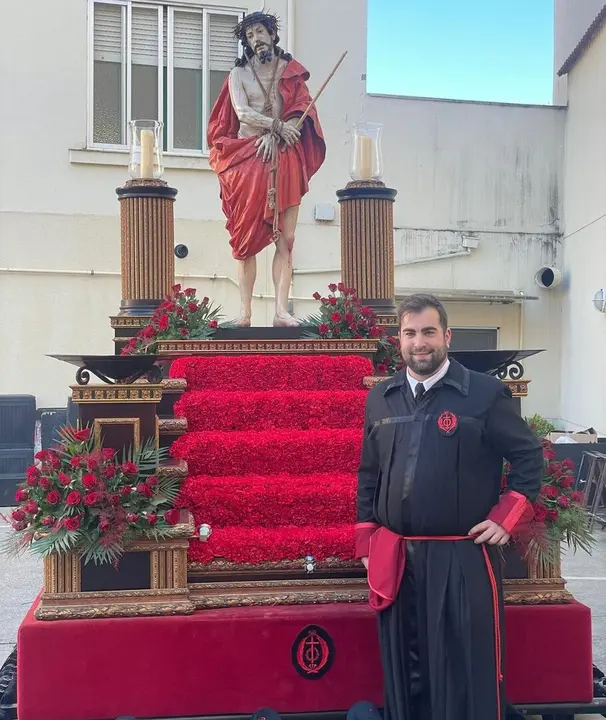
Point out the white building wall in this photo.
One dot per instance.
(583, 380)
(459, 168)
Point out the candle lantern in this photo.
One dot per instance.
(366, 156)
(145, 150)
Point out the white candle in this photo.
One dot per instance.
(365, 156)
(147, 154)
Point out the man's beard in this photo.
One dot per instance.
(266, 55)
(428, 366)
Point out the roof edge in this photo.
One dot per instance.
(592, 31)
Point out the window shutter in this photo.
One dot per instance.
(223, 45)
(108, 32)
(188, 40)
(144, 36)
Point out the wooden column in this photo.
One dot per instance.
(147, 244)
(367, 258)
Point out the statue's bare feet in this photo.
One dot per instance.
(285, 320)
(242, 321)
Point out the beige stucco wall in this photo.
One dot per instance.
(485, 170)
(583, 379)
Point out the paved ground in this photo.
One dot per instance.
(20, 582)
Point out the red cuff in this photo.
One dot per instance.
(364, 532)
(512, 510)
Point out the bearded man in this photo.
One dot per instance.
(263, 160)
(431, 518)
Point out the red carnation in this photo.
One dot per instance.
(132, 517)
(48, 521)
(563, 501)
(21, 495)
(89, 481)
(74, 498)
(31, 507)
(332, 287)
(335, 317)
(540, 512)
(144, 489)
(104, 525)
(64, 479)
(129, 468)
(91, 498)
(163, 323)
(72, 523)
(53, 497)
(18, 515)
(349, 318)
(45, 483)
(151, 518)
(82, 435)
(171, 517)
(316, 296)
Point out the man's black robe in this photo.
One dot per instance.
(434, 470)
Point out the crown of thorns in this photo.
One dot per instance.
(270, 21)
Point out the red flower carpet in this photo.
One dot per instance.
(272, 448)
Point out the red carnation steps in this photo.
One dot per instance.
(298, 452)
(272, 372)
(272, 409)
(273, 447)
(259, 545)
(270, 500)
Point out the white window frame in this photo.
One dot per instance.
(127, 6)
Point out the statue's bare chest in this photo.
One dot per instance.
(264, 86)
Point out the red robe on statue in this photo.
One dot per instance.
(244, 177)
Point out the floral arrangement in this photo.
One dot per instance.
(82, 498)
(181, 316)
(342, 315)
(559, 512)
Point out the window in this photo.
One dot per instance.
(157, 61)
(465, 338)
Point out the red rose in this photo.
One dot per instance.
(92, 463)
(31, 480)
(21, 495)
(45, 483)
(341, 287)
(381, 368)
(349, 318)
(32, 471)
(171, 517)
(75, 462)
(323, 329)
(552, 514)
(567, 481)
(316, 296)
(151, 518)
(144, 489)
(129, 468)
(18, 515)
(324, 301)
(540, 512)
(55, 461)
(205, 300)
(42, 455)
(107, 454)
(332, 301)
(132, 517)
(335, 317)
(89, 481)
(152, 480)
(30, 507)
(109, 471)
(104, 525)
(332, 287)
(563, 501)
(548, 454)
(192, 307)
(375, 332)
(163, 323)
(48, 521)
(82, 435)
(213, 324)
(114, 499)
(125, 490)
(549, 491)
(91, 498)
(568, 464)
(72, 523)
(176, 288)
(190, 291)
(64, 479)
(53, 497)
(576, 496)
(74, 498)
(183, 332)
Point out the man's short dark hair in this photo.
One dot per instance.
(421, 301)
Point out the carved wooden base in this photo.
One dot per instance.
(179, 348)
(278, 592)
(538, 591)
